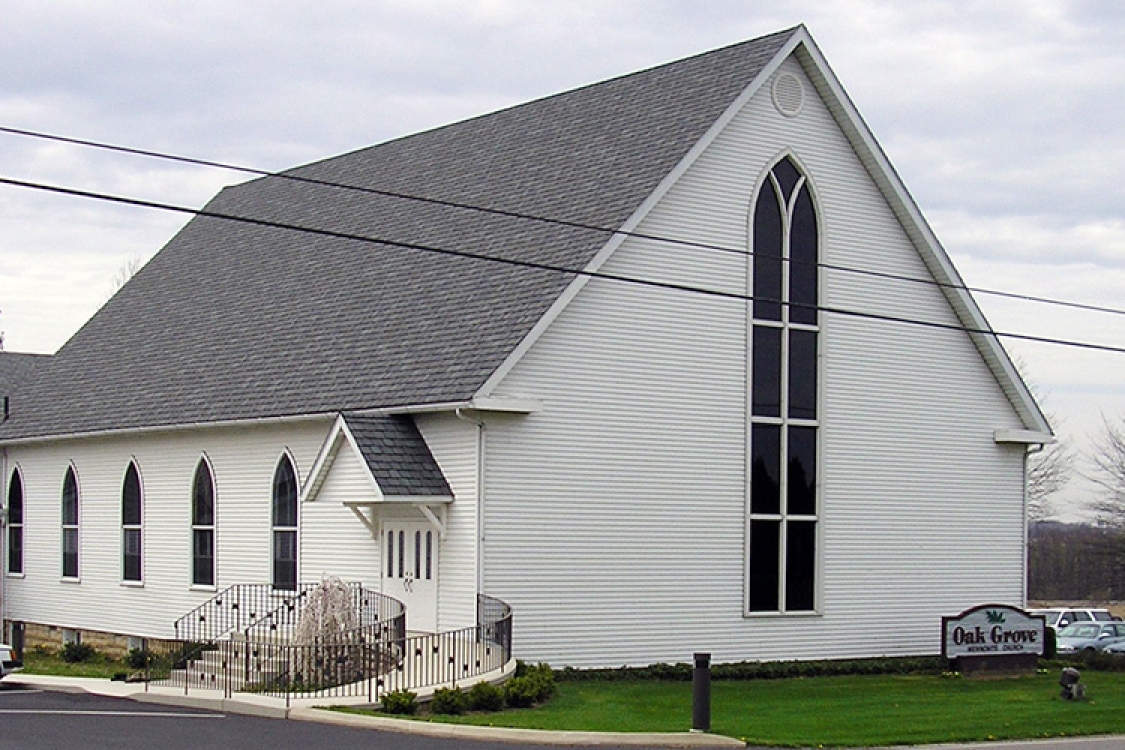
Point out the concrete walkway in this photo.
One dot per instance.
(306, 709)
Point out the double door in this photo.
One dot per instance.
(410, 568)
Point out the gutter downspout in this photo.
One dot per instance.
(1031, 450)
(4, 480)
(459, 412)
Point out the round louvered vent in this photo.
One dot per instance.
(788, 94)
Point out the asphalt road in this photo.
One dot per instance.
(37, 719)
(44, 720)
(34, 719)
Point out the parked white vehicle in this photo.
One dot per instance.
(1059, 617)
(8, 661)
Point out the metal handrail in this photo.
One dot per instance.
(235, 608)
(369, 660)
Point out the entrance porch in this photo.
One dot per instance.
(250, 639)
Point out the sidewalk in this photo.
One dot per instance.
(304, 709)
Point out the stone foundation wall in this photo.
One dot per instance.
(53, 638)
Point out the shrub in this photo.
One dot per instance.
(448, 701)
(1099, 661)
(484, 696)
(545, 679)
(767, 670)
(400, 702)
(521, 692)
(72, 653)
(137, 658)
(187, 652)
(530, 685)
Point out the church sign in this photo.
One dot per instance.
(993, 629)
(993, 632)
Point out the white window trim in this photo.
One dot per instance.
(76, 527)
(294, 529)
(139, 528)
(767, 181)
(10, 527)
(212, 527)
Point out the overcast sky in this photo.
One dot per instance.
(1005, 119)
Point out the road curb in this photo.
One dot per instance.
(276, 709)
(508, 734)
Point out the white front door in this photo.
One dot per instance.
(410, 570)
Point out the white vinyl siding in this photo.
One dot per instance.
(453, 443)
(615, 517)
(243, 461)
(334, 542)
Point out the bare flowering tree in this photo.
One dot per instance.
(1050, 468)
(1107, 470)
(328, 615)
(1048, 471)
(329, 646)
(127, 270)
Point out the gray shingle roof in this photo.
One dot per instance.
(15, 368)
(235, 321)
(397, 456)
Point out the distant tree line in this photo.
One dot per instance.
(1075, 562)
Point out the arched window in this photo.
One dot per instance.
(203, 526)
(15, 523)
(783, 508)
(70, 518)
(285, 525)
(131, 525)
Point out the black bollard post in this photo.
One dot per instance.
(701, 694)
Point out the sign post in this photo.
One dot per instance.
(994, 639)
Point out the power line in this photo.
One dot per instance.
(165, 156)
(536, 265)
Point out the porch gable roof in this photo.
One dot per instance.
(393, 453)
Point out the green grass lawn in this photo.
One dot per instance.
(36, 661)
(836, 711)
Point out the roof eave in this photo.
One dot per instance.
(151, 429)
(933, 254)
(610, 247)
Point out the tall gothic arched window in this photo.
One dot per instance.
(15, 523)
(70, 519)
(132, 518)
(203, 525)
(783, 507)
(285, 525)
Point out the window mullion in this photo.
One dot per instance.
(791, 529)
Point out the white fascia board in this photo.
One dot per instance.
(324, 458)
(1025, 437)
(327, 455)
(166, 428)
(399, 500)
(510, 404)
(640, 213)
(918, 229)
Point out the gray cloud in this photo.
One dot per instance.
(1002, 116)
